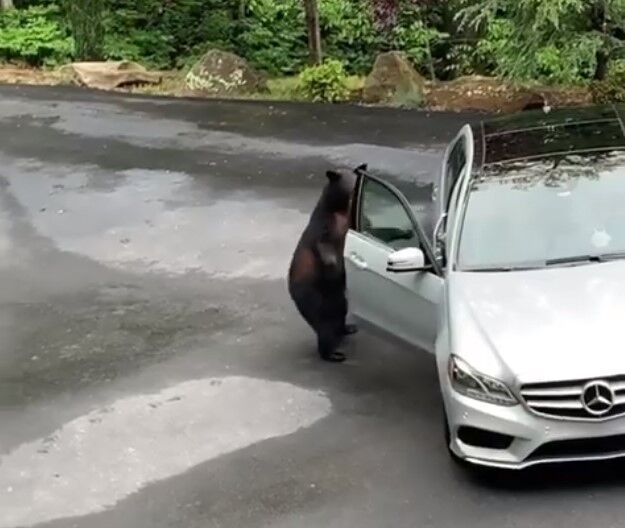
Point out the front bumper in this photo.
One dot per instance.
(535, 440)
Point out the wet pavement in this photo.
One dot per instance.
(153, 372)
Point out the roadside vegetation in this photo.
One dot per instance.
(574, 45)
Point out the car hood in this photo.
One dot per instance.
(545, 325)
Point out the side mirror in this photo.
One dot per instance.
(406, 260)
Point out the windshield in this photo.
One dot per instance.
(555, 210)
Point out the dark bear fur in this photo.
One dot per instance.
(317, 272)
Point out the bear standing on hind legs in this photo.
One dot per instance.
(317, 272)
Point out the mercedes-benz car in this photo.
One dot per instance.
(514, 277)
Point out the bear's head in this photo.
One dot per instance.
(337, 195)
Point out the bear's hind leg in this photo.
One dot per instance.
(328, 341)
(344, 329)
(310, 304)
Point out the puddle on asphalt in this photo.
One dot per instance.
(163, 221)
(96, 460)
(7, 255)
(159, 221)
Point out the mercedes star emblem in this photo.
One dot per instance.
(598, 398)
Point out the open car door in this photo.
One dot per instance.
(458, 156)
(457, 161)
(400, 300)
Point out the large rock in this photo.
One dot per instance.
(393, 78)
(222, 73)
(109, 74)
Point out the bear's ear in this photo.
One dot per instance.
(333, 176)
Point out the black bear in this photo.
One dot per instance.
(317, 272)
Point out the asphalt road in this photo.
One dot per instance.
(153, 372)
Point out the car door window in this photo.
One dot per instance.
(454, 168)
(384, 218)
(456, 163)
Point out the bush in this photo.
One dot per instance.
(324, 83)
(35, 36)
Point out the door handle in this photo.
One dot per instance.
(358, 261)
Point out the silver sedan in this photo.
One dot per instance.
(515, 280)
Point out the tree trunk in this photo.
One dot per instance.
(428, 48)
(314, 31)
(86, 20)
(600, 24)
(602, 66)
(6, 4)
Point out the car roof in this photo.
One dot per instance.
(536, 134)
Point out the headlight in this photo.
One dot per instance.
(475, 385)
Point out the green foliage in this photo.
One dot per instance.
(134, 31)
(195, 26)
(612, 88)
(86, 20)
(324, 83)
(166, 34)
(552, 41)
(148, 47)
(34, 35)
(408, 98)
(563, 60)
(462, 58)
(273, 36)
(570, 61)
(558, 41)
(349, 33)
(284, 88)
(413, 36)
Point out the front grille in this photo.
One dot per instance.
(580, 448)
(563, 399)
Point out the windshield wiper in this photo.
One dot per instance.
(576, 259)
(561, 261)
(498, 269)
(612, 256)
(583, 259)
